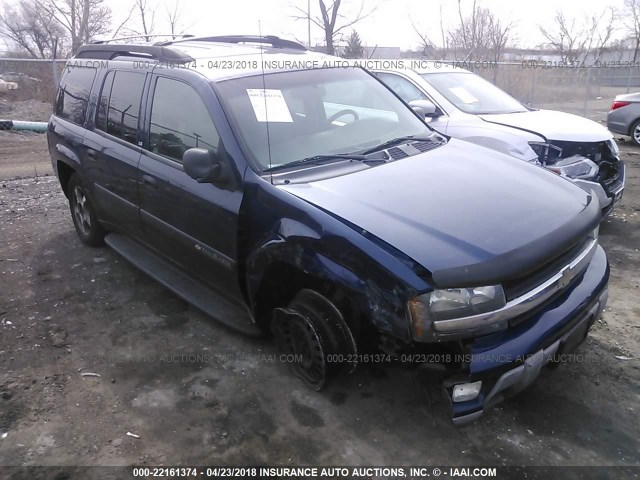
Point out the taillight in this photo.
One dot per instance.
(617, 104)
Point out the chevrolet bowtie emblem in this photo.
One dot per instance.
(566, 275)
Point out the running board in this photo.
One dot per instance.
(189, 289)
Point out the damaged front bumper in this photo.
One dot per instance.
(606, 183)
(610, 197)
(508, 362)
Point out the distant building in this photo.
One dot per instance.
(382, 52)
(369, 52)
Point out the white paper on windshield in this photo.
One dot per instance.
(463, 94)
(269, 105)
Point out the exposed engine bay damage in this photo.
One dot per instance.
(596, 162)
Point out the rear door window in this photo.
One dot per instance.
(119, 105)
(73, 95)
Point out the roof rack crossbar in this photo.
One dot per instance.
(133, 37)
(269, 39)
(156, 52)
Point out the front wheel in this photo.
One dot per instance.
(83, 214)
(314, 338)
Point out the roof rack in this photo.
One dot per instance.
(272, 40)
(132, 37)
(109, 52)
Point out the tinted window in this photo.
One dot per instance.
(124, 93)
(73, 94)
(103, 103)
(179, 121)
(403, 87)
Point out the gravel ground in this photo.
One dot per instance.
(91, 350)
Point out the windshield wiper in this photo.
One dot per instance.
(399, 140)
(320, 159)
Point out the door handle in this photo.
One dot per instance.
(149, 180)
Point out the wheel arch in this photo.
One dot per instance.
(65, 171)
(632, 125)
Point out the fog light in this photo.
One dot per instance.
(466, 391)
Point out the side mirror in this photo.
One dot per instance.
(424, 108)
(201, 165)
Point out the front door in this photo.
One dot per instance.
(194, 224)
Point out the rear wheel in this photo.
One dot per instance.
(83, 214)
(635, 133)
(314, 337)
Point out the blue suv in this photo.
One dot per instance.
(286, 195)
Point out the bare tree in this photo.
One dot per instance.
(123, 25)
(82, 20)
(480, 34)
(620, 46)
(603, 29)
(428, 47)
(632, 22)
(147, 18)
(31, 29)
(578, 40)
(331, 21)
(173, 18)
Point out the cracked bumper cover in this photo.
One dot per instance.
(607, 200)
(556, 331)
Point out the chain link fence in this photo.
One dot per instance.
(586, 91)
(27, 90)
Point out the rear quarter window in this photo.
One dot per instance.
(73, 94)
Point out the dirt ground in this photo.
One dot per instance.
(24, 154)
(195, 393)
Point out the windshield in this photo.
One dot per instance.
(473, 94)
(314, 112)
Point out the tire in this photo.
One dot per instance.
(313, 334)
(635, 133)
(83, 214)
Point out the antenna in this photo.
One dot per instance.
(266, 111)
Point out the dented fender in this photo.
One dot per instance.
(320, 246)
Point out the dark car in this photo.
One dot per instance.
(311, 203)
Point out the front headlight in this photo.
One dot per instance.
(575, 167)
(450, 304)
(613, 146)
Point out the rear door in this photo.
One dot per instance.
(194, 224)
(112, 145)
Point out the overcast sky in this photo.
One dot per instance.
(389, 25)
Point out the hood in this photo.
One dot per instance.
(501, 138)
(467, 214)
(553, 125)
